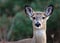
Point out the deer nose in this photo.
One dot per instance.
(37, 24)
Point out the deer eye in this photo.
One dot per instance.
(33, 17)
(43, 17)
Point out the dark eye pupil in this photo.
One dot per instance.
(33, 17)
(43, 17)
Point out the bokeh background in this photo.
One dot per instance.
(15, 25)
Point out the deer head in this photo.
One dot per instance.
(38, 18)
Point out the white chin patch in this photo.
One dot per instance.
(38, 27)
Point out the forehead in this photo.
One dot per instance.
(38, 13)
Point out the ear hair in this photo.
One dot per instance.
(28, 10)
(52, 7)
(26, 7)
(49, 10)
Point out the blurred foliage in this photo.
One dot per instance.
(23, 25)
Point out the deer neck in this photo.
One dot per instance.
(39, 35)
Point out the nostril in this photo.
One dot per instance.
(37, 24)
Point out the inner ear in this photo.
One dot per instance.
(28, 10)
(49, 10)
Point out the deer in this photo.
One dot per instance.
(39, 20)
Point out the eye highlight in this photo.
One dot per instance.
(43, 17)
(33, 17)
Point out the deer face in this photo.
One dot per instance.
(38, 18)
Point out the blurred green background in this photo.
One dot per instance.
(16, 25)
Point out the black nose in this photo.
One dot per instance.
(37, 24)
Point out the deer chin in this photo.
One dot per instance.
(38, 27)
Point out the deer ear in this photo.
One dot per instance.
(49, 10)
(28, 10)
